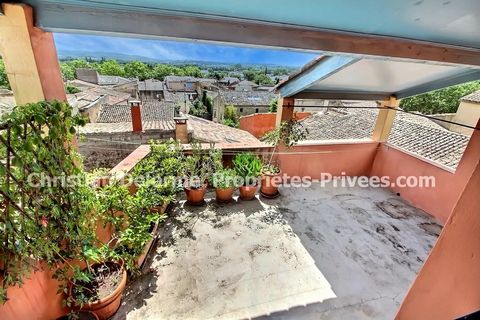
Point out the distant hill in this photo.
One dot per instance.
(120, 57)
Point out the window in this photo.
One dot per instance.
(241, 109)
(256, 110)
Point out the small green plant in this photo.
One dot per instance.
(248, 166)
(224, 179)
(71, 89)
(230, 117)
(199, 165)
(152, 193)
(287, 134)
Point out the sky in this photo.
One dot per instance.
(176, 50)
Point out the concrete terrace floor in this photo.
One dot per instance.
(313, 253)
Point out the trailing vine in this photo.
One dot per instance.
(40, 221)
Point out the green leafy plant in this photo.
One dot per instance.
(287, 134)
(41, 222)
(224, 179)
(199, 165)
(153, 193)
(248, 166)
(230, 117)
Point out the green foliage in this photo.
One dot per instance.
(137, 69)
(440, 101)
(199, 165)
(288, 133)
(71, 89)
(272, 106)
(230, 117)
(3, 76)
(223, 179)
(55, 223)
(248, 166)
(111, 68)
(263, 79)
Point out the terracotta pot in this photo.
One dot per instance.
(160, 209)
(248, 192)
(195, 196)
(106, 307)
(224, 195)
(269, 184)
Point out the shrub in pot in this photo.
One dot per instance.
(155, 195)
(224, 182)
(287, 134)
(198, 166)
(247, 166)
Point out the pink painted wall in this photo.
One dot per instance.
(355, 159)
(440, 200)
(447, 286)
(260, 123)
(37, 299)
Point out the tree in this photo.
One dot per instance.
(249, 74)
(230, 117)
(3, 76)
(111, 68)
(263, 79)
(440, 101)
(272, 106)
(137, 69)
(192, 71)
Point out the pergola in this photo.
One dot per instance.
(369, 50)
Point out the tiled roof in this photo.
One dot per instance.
(209, 131)
(87, 97)
(151, 110)
(247, 98)
(111, 80)
(472, 97)
(150, 85)
(409, 132)
(175, 96)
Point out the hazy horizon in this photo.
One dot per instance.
(162, 50)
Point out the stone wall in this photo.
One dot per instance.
(106, 150)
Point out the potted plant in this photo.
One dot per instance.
(287, 134)
(155, 195)
(198, 166)
(247, 166)
(224, 182)
(99, 286)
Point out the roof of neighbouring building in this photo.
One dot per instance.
(111, 80)
(87, 97)
(151, 110)
(209, 131)
(412, 133)
(230, 80)
(247, 98)
(150, 85)
(247, 83)
(472, 97)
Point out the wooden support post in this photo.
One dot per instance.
(30, 57)
(285, 108)
(385, 118)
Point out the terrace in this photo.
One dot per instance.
(318, 252)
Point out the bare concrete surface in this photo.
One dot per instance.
(313, 253)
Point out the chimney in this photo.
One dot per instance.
(181, 129)
(136, 116)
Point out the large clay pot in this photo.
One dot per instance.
(269, 185)
(224, 195)
(106, 307)
(248, 192)
(195, 196)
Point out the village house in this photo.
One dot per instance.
(245, 102)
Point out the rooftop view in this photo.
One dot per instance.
(190, 160)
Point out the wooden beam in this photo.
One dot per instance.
(385, 119)
(338, 95)
(285, 107)
(84, 19)
(30, 57)
(322, 69)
